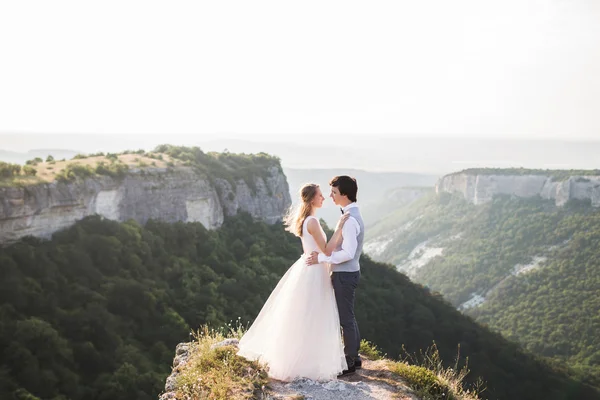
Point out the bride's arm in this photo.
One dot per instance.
(326, 248)
(335, 240)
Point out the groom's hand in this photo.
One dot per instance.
(313, 258)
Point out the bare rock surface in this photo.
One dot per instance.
(373, 381)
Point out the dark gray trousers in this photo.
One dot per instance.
(344, 286)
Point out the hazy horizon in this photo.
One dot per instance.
(376, 153)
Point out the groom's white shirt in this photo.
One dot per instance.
(350, 232)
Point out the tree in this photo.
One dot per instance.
(8, 170)
(29, 170)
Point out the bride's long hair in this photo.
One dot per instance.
(294, 219)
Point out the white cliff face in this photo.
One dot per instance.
(481, 188)
(178, 195)
(107, 204)
(268, 200)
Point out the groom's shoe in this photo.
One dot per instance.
(351, 367)
(358, 363)
(348, 371)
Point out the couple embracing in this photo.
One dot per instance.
(297, 332)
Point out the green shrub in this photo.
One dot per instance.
(422, 380)
(369, 350)
(35, 161)
(75, 171)
(8, 171)
(29, 170)
(115, 170)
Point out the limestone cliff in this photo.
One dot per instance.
(479, 188)
(168, 194)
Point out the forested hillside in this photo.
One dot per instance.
(96, 312)
(526, 268)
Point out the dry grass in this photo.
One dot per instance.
(430, 380)
(48, 171)
(219, 373)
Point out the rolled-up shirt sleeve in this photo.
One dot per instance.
(350, 232)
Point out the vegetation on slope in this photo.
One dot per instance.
(229, 166)
(96, 312)
(551, 310)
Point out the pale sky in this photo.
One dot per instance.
(464, 67)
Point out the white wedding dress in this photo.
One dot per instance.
(297, 332)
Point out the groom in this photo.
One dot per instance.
(345, 267)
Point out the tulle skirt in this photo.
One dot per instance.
(297, 332)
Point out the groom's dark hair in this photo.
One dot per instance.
(346, 185)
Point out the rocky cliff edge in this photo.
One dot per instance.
(168, 194)
(479, 187)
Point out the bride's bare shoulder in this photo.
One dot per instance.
(312, 224)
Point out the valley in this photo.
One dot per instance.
(523, 266)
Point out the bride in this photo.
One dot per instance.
(297, 332)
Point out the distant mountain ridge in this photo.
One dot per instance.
(21, 158)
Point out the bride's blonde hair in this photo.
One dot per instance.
(295, 217)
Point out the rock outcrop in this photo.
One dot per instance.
(373, 382)
(481, 188)
(175, 194)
